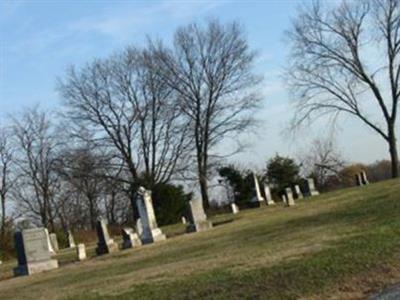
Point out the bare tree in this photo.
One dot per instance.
(322, 160)
(131, 112)
(36, 148)
(334, 70)
(211, 70)
(6, 182)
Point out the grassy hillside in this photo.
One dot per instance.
(339, 245)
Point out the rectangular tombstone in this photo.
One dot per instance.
(105, 244)
(33, 252)
(49, 245)
(151, 233)
(364, 178)
(284, 199)
(183, 220)
(130, 239)
(235, 208)
(71, 241)
(81, 252)
(54, 241)
(310, 188)
(299, 194)
(289, 197)
(268, 196)
(197, 217)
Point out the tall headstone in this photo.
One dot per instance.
(364, 178)
(197, 217)
(358, 179)
(54, 241)
(71, 241)
(258, 199)
(284, 199)
(130, 239)
(49, 245)
(183, 220)
(235, 208)
(151, 233)
(33, 252)
(289, 197)
(268, 195)
(81, 252)
(297, 190)
(105, 244)
(310, 188)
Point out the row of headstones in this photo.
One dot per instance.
(35, 246)
(361, 179)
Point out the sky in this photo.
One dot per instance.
(39, 39)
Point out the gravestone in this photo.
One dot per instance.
(299, 194)
(33, 252)
(184, 220)
(364, 178)
(289, 197)
(105, 244)
(235, 208)
(49, 245)
(258, 200)
(81, 252)
(284, 199)
(197, 217)
(54, 241)
(71, 241)
(310, 188)
(151, 233)
(358, 179)
(130, 239)
(268, 196)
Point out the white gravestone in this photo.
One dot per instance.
(358, 179)
(299, 194)
(235, 208)
(183, 220)
(81, 252)
(130, 239)
(258, 200)
(310, 188)
(268, 196)
(105, 244)
(71, 241)
(364, 178)
(197, 217)
(289, 197)
(50, 246)
(33, 252)
(54, 241)
(151, 233)
(284, 199)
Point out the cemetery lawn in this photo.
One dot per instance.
(342, 245)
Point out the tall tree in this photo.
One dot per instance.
(211, 69)
(6, 182)
(37, 146)
(333, 68)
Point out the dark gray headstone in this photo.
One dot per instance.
(33, 252)
(105, 244)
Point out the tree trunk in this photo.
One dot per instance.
(204, 189)
(394, 157)
(3, 218)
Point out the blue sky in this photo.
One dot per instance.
(40, 39)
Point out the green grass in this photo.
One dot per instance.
(344, 244)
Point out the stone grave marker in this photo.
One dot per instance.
(105, 244)
(33, 252)
(197, 217)
(49, 245)
(71, 241)
(289, 197)
(130, 239)
(358, 179)
(268, 196)
(184, 220)
(235, 208)
(81, 252)
(54, 241)
(310, 188)
(258, 199)
(151, 233)
(297, 190)
(364, 178)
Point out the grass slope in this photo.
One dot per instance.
(338, 245)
